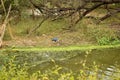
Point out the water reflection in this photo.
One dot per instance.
(108, 61)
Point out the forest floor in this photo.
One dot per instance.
(86, 33)
(65, 38)
(45, 40)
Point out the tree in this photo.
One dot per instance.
(3, 26)
(68, 8)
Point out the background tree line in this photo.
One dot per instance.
(62, 9)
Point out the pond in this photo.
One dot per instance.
(106, 60)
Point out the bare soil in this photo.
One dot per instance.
(45, 40)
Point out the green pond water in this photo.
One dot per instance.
(108, 60)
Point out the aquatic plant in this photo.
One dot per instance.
(13, 71)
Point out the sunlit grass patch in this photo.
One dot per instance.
(69, 48)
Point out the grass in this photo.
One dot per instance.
(69, 48)
(26, 24)
(86, 33)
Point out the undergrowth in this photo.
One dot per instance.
(86, 32)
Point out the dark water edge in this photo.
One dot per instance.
(108, 60)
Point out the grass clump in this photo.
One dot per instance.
(103, 35)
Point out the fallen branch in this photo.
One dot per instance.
(35, 28)
(109, 15)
